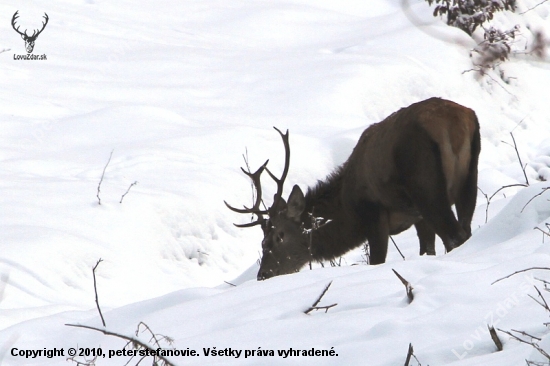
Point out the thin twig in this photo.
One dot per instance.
(126, 338)
(396, 247)
(488, 199)
(508, 186)
(102, 176)
(154, 338)
(315, 307)
(488, 203)
(229, 283)
(533, 7)
(128, 190)
(544, 233)
(535, 196)
(531, 343)
(485, 73)
(410, 352)
(526, 334)
(95, 290)
(544, 304)
(521, 271)
(495, 337)
(408, 286)
(316, 224)
(519, 158)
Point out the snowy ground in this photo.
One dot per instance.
(177, 90)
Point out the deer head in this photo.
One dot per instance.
(284, 246)
(29, 40)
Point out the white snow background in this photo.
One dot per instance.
(177, 90)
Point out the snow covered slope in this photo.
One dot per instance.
(177, 91)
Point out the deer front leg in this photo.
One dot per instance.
(377, 229)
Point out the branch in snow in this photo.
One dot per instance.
(530, 342)
(128, 190)
(134, 342)
(544, 233)
(495, 337)
(396, 247)
(102, 176)
(410, 354)
(315, 307)
(519, 159)
(316, 224)
(95, 290)
(543, 302)
(535, 196)
(521, 271)
(488, 199)
(408, 286)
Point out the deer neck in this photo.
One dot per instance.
(338, 236)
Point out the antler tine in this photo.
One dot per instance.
(255, 177)
(46, 22)
(280, 181)
(13, 19)
(43, 25)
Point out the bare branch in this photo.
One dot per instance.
(132, 340)
(102, 176)
(396, 247)
(408, 286)
(488, 199)
(410, 353)
(519, 158)
(521, 271)
(128, 190)
(535, 196)
(95, 290)
(315, 307)
(544, 304)
(531, 343)
(544, 233)
(526, 334)
(154, 336)
(507, 186)
(316, 224)
(495, 337)
(542, 2)
(488, 203)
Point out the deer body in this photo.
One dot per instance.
(406, 170)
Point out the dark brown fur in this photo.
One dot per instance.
(406, 170)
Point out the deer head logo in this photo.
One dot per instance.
(29, 40)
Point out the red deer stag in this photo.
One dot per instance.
(406, 170)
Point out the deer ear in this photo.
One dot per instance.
(296, 204)
(281, 203)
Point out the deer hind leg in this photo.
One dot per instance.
(466, 200)
(426, 237)
(421, 172)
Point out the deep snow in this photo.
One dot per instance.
(178, 91)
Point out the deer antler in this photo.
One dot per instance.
(280, 181)
(13, 19)
(35, 33)
(43, 26)
(255, 177)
